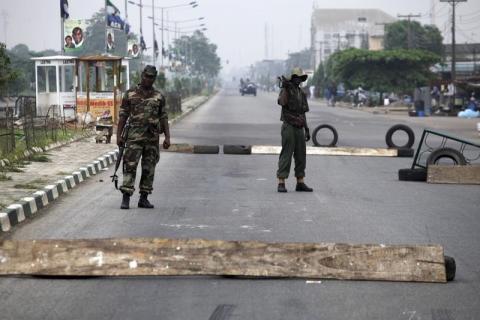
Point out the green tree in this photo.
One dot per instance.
(318, 80)
(7, 74)
(412, 35)
(383, 71)
(198, 54)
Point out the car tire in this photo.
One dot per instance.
(402, 127)
(237, 149)
(332, 143)
(417, 174)
(449, 153)
(450, 268)
(206, 149)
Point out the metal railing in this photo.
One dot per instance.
(432, 140)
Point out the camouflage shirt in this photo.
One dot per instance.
(145, 109)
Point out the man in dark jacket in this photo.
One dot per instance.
(295, 130)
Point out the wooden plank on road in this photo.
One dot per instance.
(469, 174)
(171, 257)
(334, 151)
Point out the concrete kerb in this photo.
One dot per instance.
(190, 110)
(27, 207)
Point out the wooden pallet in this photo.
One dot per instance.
(170, 257)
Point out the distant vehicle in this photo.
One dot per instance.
(249, 88)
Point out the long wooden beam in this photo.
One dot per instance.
(176, 257)
(334, 151)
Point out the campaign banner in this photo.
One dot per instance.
(133, 49)
(74, 34)
(99, 102)
(110, 40)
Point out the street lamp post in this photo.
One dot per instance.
(193, 4)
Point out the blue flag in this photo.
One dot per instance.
(64, 9)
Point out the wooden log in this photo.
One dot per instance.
(179, 147)
(170, 257)
(469, 174)
(335, 151)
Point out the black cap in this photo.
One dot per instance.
(150, 71)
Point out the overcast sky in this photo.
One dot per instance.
(236, 26)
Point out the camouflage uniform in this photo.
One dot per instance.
(294, 105)
(144, 109)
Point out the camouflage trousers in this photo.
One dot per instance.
(149, 152)
(293, 144)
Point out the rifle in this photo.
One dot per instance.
(283, 82)
(121, 149)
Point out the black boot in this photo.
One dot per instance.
(303, 187)
(281, 187)
(143, 201)
(125, 201)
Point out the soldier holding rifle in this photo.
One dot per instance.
(295, 130)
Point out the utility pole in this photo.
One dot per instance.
(409, 32)
(153, 32)
(453, 3)
(5, 26)
(266, 41)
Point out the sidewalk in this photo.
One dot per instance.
(64, 160)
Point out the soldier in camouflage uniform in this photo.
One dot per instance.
(144, 107)
(295, 130)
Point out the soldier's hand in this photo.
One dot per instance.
(120, 142)
(166, 143)
(307, 134)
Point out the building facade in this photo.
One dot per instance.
(338, 29)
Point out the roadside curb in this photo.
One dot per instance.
(27, 207)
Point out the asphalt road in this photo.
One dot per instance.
(228, 197)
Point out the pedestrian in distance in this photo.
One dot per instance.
(295, 132)
(144, 107)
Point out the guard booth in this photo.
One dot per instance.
(102, 80)
(55, 85)
(71, 85)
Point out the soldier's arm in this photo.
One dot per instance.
(164, 124)
(122, 118)
(283, 98)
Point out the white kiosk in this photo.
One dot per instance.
(55, 84)
(73, 85)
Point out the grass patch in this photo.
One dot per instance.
(13, 169)
(4, 177)
(34, 184)
(39, 158)
(25, 186)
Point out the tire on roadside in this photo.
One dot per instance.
(417, 174)
(237, 149)
(450, 268)
(315, 132)
(449, 153)
(401, 127)
(199, 149)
